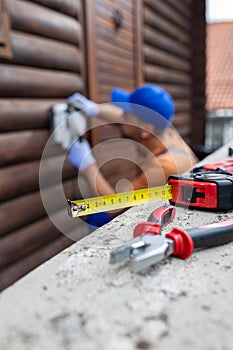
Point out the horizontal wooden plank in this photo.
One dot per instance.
(157, 39)
(24, 210)
(181, 119)
(16, 147)
(106, 28)
(5, 47)
(157, 56)
(122, 70)
(171, 14)
(183, 105)
(166, 75)
(156, 21)
(123, 41)
(32, 18)
(177, 91)
(111, 48)
(14, 182)
(22, 114)
(125, 5)
(17, 270)
(108, 23)
(104, 97)
(16, 81)
(105, 89)
(22, 242)
(108, 56)
(105, 10)
(183, 7)
(126, 83)
(69, 7)
(31, 50)
(116, 80)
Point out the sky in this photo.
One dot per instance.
(219, 10)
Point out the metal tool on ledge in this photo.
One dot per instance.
(149, 246)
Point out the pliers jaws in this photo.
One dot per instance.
(144, 251)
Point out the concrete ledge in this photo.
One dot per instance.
(77, 300)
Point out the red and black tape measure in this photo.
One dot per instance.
(204, 190)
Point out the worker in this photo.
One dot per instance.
(144, 115)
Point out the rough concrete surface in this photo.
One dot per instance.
(77, 300)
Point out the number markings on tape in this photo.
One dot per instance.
(118, 200)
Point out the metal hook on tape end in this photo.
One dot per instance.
(74, 209)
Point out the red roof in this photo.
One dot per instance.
(219, 68)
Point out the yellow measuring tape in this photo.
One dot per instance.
(118, 200)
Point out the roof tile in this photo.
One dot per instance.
(219, 66)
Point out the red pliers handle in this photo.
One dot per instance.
(149, 246)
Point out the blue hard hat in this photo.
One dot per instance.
(150, 103)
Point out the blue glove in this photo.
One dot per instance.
(80, 155)
(88, 107)
(98, 219)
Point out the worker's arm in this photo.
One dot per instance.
(111, 113)
(80, 156)
(106, 111)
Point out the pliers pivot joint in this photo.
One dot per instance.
(149, 246)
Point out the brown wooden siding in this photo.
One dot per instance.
(114, 65)
(159, 49)
(114, 48)
(157, 44)
(198, 73)
(5, 47)
(167, 54)
(47, 65)
(52, 48)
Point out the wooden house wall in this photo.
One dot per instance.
(45, 65)
(198, 74)
(5, 50)
(167, 47)
(160, 42)
(112, 47)
(52, 48)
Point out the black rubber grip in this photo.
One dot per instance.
(212, 235)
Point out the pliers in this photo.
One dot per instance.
(149, 246)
